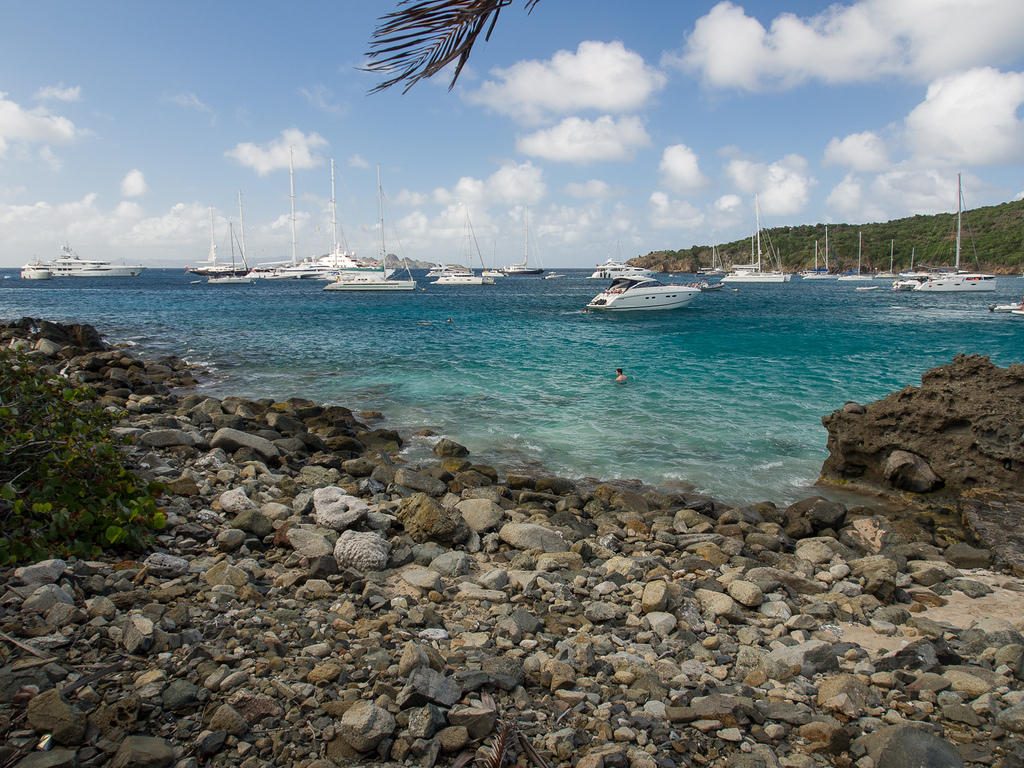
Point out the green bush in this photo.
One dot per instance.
(63, 487)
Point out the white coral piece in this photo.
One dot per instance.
(336, 509)
(362, 551)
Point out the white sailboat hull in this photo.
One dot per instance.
(961, 283)
(463, 280)
(757, 277)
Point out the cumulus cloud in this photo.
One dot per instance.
(904, 191)
(576, 140)
(593, 189)
(970, 118)
(133, 184)
(728, 204)
(275, 154)
(322, 97)
(59, 92)
(858, 152)
(680, 170)
(783, 187)
(598, 76)
(32, 126)
(357, 161)
(862, 42)
(667, 213)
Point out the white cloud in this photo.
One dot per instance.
(783, 187)
(598, 76)
(576, 140)
(858, 152)
(666, 213)
(32, 126)
(322, 97)
(903, 191)
(47, 156)
(592, 189)
(515, 184)
(274, 155)
(59, 92)
(680, 170)
(133, 184)
(970, 118)
(188, 101)
(861, 42)
(728, 204)
(357, 161)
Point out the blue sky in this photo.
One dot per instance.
(621, 127)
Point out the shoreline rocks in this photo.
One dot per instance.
(331, 605)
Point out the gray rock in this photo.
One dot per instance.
(446, 447)
(180, 695)
(143, 752)
(452, 563)
(235, 501)
(139, 634)
(165, 438)
(166, 565)
(879, 574)
(426, 685)
(904, 746)
(227, 718)
(1012, 719)
(253, 521)
(421, 578)
(43, 598)
(426, 520)
(362, 551)
(43, 572)
(308, 543)
(532, 536)
(420, 481)
(910, 472)
(223, 573)
(481, 515)
(55, 758)
(233, 439)
(364, 725)
(425, 721)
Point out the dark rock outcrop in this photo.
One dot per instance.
(963, 428)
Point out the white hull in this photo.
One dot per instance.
(36, 273)
(965, 283)
(816, 276)
(642, 294)
(854, 278)
(612, 269)
(757, 277)
(463, 280)
(383, 285)
(231, 281)
(1006, 307)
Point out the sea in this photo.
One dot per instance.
(724, 396)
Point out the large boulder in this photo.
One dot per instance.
(963, 425)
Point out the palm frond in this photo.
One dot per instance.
(422, 37)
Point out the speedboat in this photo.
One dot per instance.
(36, 270)
(641, 293)
(69, 264)
(1013, 307)
(553, 275)
(612, 269)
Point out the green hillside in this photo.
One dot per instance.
(993, 241)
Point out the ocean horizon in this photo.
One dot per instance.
(726, 394)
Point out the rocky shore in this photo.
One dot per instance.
(315, 601)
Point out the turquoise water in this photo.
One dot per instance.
(726, 394)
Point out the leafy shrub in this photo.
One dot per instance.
(63, 487)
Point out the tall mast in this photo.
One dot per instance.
(213, 243)
(859, 236)
(380, 205)
(291, 185)
(334, 214)
(959, 199)
(892, 244)
(241, 227)
(757, 224)
(826, 247)
(815, 255)
(231, 239)
(526, 235)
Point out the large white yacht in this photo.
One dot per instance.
(612, 269)
(641, 293)
(36, 270)
(70, 264)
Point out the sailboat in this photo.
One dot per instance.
(234, 278)
(854, 276)
(522, 268)
(958, 281)
(818, 273)
(716, 267)
(373, 279)
(465, 275)
(890, 275)
(753, 272)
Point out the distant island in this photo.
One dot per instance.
(993, 241)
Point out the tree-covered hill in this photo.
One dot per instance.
(993, 241)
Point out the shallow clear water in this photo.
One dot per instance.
(727, 393)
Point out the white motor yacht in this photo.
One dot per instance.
(612, 269)
(463, 278)
(36, 270)
(641, 293)
(70, 264)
